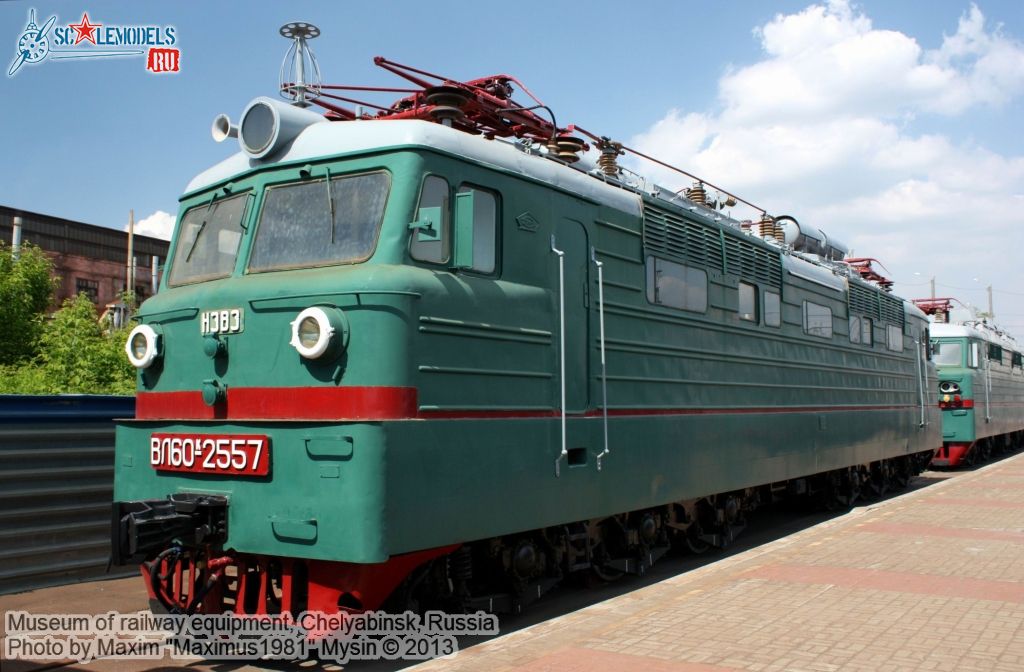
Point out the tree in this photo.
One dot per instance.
(76, 356)
(26, 290)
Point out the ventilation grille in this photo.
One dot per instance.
(892, 309)
(874, 303)
(863, 301)
(750, 261)
(669, 235)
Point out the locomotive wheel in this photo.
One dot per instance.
(612, 544)
(986, 452)
(901, 474)
(696, 545)
(607, 575)
(879, 481)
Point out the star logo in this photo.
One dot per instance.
(85, 30)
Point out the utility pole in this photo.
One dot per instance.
(991, 313)
(16, 238)
(933, 286)
(130, 286)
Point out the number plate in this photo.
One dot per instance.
(234, 454)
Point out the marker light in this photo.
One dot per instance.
(315, 331)
(143, 346)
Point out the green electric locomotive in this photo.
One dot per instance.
(439, 354)
(981, 389)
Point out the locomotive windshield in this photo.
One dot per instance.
(948, 353)
(319, 223)
(208, 241)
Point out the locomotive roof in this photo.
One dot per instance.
(944, 330)
(331, 139)
(324, 140)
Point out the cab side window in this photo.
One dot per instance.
(435, 198)
(676, 285)
(748, 302)
(817, 320)
(772, 308)
(867, 336)
(894, 338)
(485, 226)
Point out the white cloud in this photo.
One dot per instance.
(159, 225)
(823, 128)
(829, 60)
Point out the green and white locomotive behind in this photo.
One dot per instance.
(981, 388)
(440, 355)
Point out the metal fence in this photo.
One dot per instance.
(56, 485)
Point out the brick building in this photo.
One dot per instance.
(87, 258)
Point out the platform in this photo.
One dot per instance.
(932, 580)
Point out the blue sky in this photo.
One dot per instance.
(917, 142)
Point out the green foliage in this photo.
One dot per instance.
(75, 356)
(26, 289)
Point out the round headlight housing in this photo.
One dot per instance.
(317, 331)
(143, 346)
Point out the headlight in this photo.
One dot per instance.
(316, 330)
(949, 387)
(143, 346)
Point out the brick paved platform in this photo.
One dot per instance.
(932, 580)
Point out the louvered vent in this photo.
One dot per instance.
(892, 309)
(863, 301)
(669, 235)
(751, 261)
(876, 304)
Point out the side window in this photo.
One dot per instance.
(1016, 360)
(748, 302)
(485, 225)
(894, 338)
(435, 194)
(855, 329)
(995, 353)
(817, 320)
(676, 286)
(772, 308)
(867, 334)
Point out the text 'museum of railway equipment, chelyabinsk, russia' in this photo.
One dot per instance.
(443, 353)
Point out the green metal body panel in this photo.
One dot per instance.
(323, 499)
(999, 412)
(699, 403)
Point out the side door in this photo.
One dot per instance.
(572, 302)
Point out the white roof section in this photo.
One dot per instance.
(813, 272)
(323, 140)
(944, 330)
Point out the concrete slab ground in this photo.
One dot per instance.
(931, 581)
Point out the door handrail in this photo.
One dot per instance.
(988, 390)
(604, 369)
(921, 379)
(561, 346)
